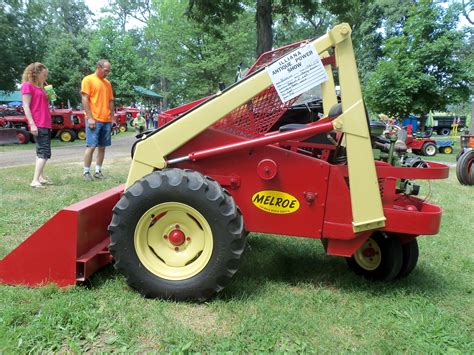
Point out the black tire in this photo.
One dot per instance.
(23, 136)
(444, 131)
(384, 264)
(459, 167)
(459, 154)
(465, 167)
(447, 150)
(140, 243)
(429, 149)
(67, 135)
(410, 258)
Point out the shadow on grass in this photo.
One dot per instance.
(296, 262)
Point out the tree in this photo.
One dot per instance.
(217, 12)
(66, 59)
(128, 68)
(191, 59)
(22, 39)
(426, 67)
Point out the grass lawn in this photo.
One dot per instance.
(287, 296)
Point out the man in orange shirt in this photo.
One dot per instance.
(98, 103)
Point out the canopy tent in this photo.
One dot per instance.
(148, 95)
(10, 96)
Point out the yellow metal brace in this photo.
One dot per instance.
(367, 211)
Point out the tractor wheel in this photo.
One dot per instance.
(23, 136)
(410, 258)
(380, 258)
(447, 150)
(67, 135)
(81, 134)
(123, 128)
(177, 234)
(465, 168)
(429, 149)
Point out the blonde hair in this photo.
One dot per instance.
(32, 72)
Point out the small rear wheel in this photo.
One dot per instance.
(123, 128)
(23, 136)
(447, 150)
(81, 134)
(67, 135)
(410, 258)
(429, 149)
(380, 258)
(177, 234)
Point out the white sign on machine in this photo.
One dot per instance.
(297, 72)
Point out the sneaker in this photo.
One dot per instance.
(99, 176)
(87, 177)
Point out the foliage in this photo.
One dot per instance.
(22, 40)
(195, 61)
(66, 62)
(128, 68)
(212, 14)
(425, 67)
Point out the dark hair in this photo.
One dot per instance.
(100, 63)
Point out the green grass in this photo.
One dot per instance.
(287, 296)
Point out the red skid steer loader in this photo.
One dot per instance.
(199, 184)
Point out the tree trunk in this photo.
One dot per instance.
(471, 124)
(264, 26)
(422, 123)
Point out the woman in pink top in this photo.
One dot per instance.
(35, 105)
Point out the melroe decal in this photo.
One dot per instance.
(277, 202)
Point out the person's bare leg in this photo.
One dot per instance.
(88, 156)
(39, 166)
(100, 156)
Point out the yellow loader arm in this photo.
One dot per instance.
(150, 153)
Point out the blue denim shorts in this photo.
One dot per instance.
(100, 135)
(43, 143)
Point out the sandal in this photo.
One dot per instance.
(46, 182)
(37, 186)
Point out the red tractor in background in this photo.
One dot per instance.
(130, 112)
(121, 121)
(63, 125)
(79, 124)
(21, 126)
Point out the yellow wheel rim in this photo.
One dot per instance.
(81, 135)
(122, 129)
(448, 150)
(173, 241)
(369, 255)
(66, 136)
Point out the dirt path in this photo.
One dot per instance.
(121, 147)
